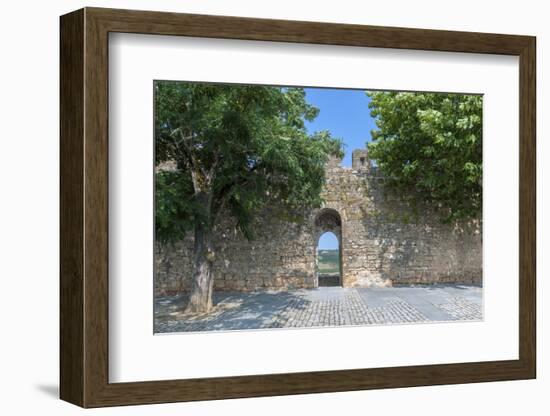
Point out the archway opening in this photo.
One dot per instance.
(328, 260)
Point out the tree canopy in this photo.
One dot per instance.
(234, 148)
(231, 149)
(430, 145)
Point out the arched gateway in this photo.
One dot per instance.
(328, 220)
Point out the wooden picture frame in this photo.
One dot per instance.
(84, 207)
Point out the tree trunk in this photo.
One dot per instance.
(200, 300)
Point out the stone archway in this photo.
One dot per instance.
(328, 219)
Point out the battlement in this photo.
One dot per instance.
(360, 159)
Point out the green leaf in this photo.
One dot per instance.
(430, 144)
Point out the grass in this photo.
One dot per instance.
(329, 261)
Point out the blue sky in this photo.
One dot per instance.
(345, 113)
(328, 241)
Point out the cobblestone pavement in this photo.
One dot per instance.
(324, 306)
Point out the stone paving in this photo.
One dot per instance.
(324, 306)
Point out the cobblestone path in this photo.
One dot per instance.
(325, 306)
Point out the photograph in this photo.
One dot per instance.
(306, 207)
(267, 204)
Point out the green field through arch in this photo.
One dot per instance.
(328, 260)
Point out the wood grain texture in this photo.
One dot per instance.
(71, 213)
(84, 207)
(225, 27)
(527, 207)
(96, 208)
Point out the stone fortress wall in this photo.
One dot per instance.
(383, 241)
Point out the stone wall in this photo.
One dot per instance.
(383, 241)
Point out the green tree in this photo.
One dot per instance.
(234, 150)
(430, 145)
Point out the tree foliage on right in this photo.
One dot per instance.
(430, 145)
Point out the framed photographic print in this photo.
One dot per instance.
(255, 207)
